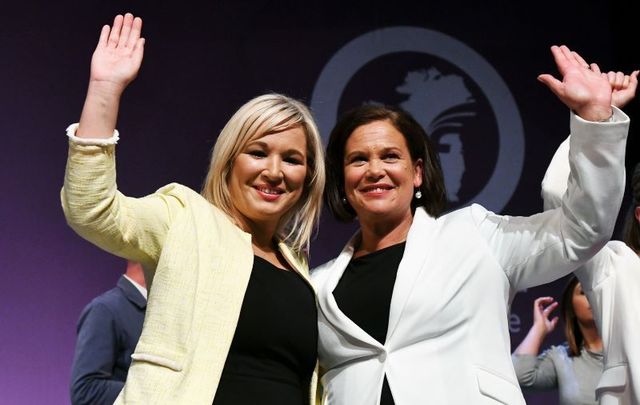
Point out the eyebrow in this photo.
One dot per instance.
(381, 151)
(290, 151)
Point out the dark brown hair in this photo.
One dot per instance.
(420, 147)
(631, 232)
(568, 316)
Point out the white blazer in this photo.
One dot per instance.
(448, 337)
(611, 281)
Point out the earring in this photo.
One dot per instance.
(344, 200)
(418, 194)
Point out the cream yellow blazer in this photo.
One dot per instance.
(196, 261)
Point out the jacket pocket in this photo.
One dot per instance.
(498, 388)
(613, 379)
(158, 360)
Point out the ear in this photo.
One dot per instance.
(637, 213)
(418, 167)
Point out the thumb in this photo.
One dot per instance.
(552, 83)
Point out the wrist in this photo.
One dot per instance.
(105, 89)
(595, 113)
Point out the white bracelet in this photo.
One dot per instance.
(71, 133)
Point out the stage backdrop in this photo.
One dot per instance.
(467, 71)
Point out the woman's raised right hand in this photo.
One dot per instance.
(542, 308)
(118, 56)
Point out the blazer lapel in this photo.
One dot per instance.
(132, 293)
(327, 302)
(415, 254)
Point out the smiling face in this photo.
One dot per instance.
(379, 175)
(267, 178)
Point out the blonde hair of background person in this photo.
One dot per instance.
(263, 197)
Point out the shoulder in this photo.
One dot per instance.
(102, 307)
(193, 201)
(557, 352)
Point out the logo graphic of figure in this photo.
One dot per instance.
(452, 91)
(432, 99)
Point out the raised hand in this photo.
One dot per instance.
(623, 86)
(118, 56)
(542, 308)
(115, 63)
(586, 92)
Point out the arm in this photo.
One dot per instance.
(115, 63)
(554, 184)
(536, 372)
(94, 360)
(131, 228)
(544, 247)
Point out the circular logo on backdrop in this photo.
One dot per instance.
(454, 93)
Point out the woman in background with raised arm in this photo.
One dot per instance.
(223, 267)
(572, 368)
(611, 280)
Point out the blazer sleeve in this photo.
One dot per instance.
(94, 360)
(541, 248)
(133, 228)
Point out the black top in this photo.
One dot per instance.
(364, 295)
(274, 349)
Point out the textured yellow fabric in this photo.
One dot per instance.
(197, 264)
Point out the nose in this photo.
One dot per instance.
(375, 169)
(273, 169)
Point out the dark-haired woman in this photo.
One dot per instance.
(611, 280)
(573, 368)
(414, 309)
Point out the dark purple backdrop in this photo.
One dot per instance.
(202, 61)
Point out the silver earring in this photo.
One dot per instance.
(344, 200)
(418, 194)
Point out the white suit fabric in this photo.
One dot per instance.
(448, 338)
(611, 281)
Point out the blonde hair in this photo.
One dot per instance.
(263, 115)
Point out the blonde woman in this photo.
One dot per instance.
(224, 266)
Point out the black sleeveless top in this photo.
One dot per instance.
(274, 349)
(364, 295)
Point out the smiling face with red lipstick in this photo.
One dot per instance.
(379, 174)
(267, 178)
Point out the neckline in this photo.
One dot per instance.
(271, 265)
(380, 251)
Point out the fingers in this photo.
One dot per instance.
(115, 31)
(566, 59)
(580, 60)
(104, 36)
(619, 80)
(594, 67)
(126, 29)
(136, 30)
